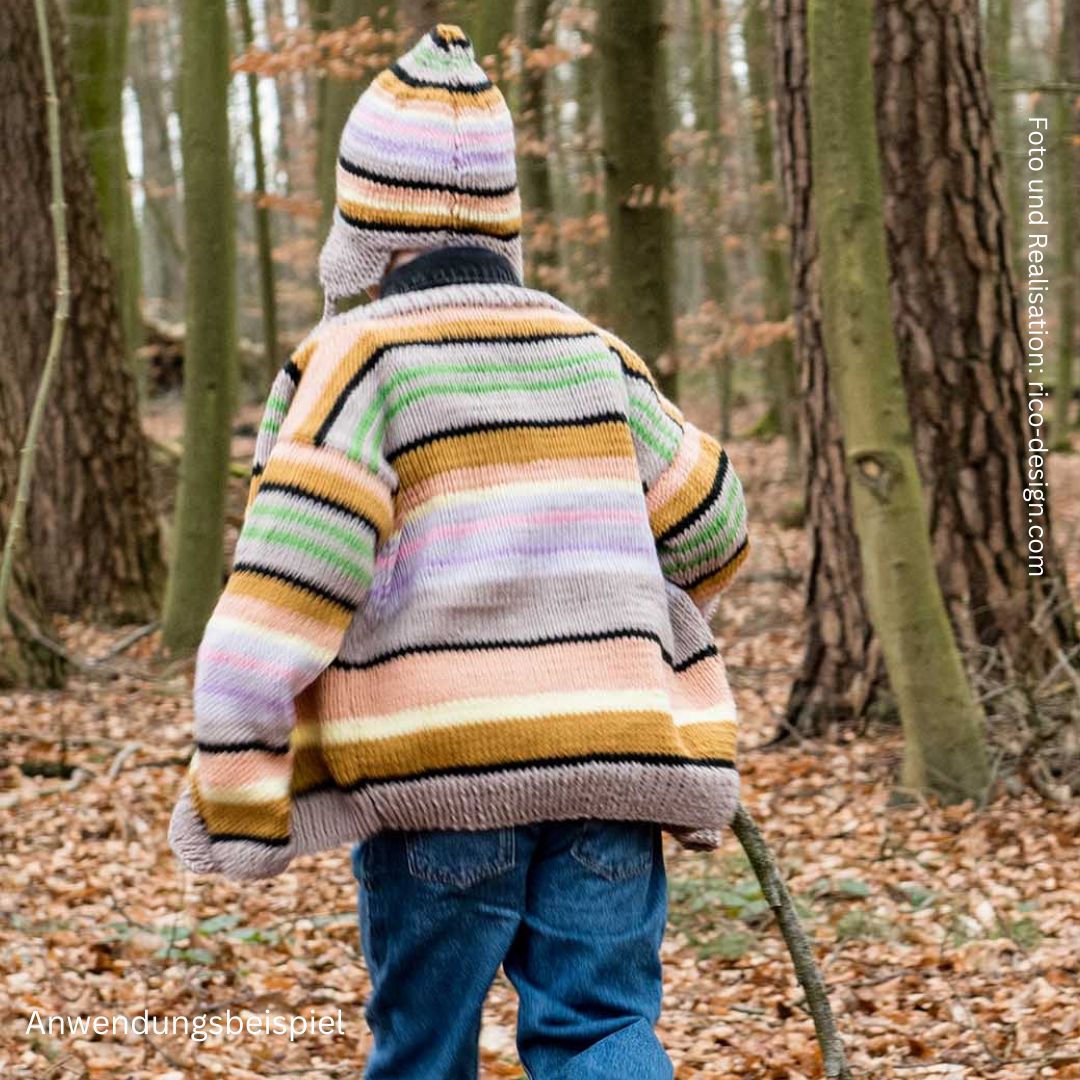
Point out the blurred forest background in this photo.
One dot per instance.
(687, 171)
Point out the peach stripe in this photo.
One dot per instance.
(250, 609)
(488, 476)
(236, 770)
(671, 481)
(416, 681)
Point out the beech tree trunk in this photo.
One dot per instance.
(152, 76)
(263, 238)
(537, 200)
(1066, 143)
(99, 50)
(92, 542)
(337, 96)
(780, 358)
(417, 17)
(195, 576)
(944, 748)
(640, 230)
(954, 312)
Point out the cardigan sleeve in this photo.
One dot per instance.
(697, 510)
(304, 562)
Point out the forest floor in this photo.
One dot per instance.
(950, 939)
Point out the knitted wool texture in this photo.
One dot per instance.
(467, 590)
(426, 161)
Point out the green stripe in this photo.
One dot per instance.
(414, 374)
(349, 537)
(308, 547)
(731, 520)
(664, 445)
(662, 426)
(438, 389)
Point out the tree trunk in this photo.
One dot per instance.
(92, 539)
(640, 232)
(99, 49)
(708, 32)
(780, 358)
(1067, 183)
(417, 17)
(944, 751)
(955, 317)
(210, 354)
(337, 96)
(958, 329)
(999, 27)
(264, 243)
(161, 253)
(535, 175)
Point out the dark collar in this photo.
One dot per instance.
(450, 266)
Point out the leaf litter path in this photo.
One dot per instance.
(950, 940)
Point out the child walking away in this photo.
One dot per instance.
(466, 627)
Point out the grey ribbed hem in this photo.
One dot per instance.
(694, 802)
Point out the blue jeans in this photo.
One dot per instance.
(574, 911)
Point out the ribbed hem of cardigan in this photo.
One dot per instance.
(694, 802)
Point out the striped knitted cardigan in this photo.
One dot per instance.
(469, 586)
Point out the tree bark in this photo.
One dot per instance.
(161, 252)
(263, 240)
(537, 199)
(210, 354)
(417, 17)
(1067, 184)
(955, 318)
(92, 539)
(640, 231)
(780, 358)
(944, 750)
(338, 95)
(99, 50)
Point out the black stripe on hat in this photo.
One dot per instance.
(422, 185)
(427, 84)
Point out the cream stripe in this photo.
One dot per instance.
(266, 790)
(724, 713)
(452, 714)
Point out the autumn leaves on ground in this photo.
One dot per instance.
(948, 938)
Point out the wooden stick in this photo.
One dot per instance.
(778, 898)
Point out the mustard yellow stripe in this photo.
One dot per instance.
(516, 447)
(718, 581)
(361, 214)
(481, 101)
(691, 493)
(268, 820)
(510, 741)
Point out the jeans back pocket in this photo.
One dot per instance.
(616, 850)
(459, 857)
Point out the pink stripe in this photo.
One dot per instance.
(417, 681)
(549, 517)
(285, 673)
(405, 126)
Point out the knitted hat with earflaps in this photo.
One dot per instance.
(426, 161)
